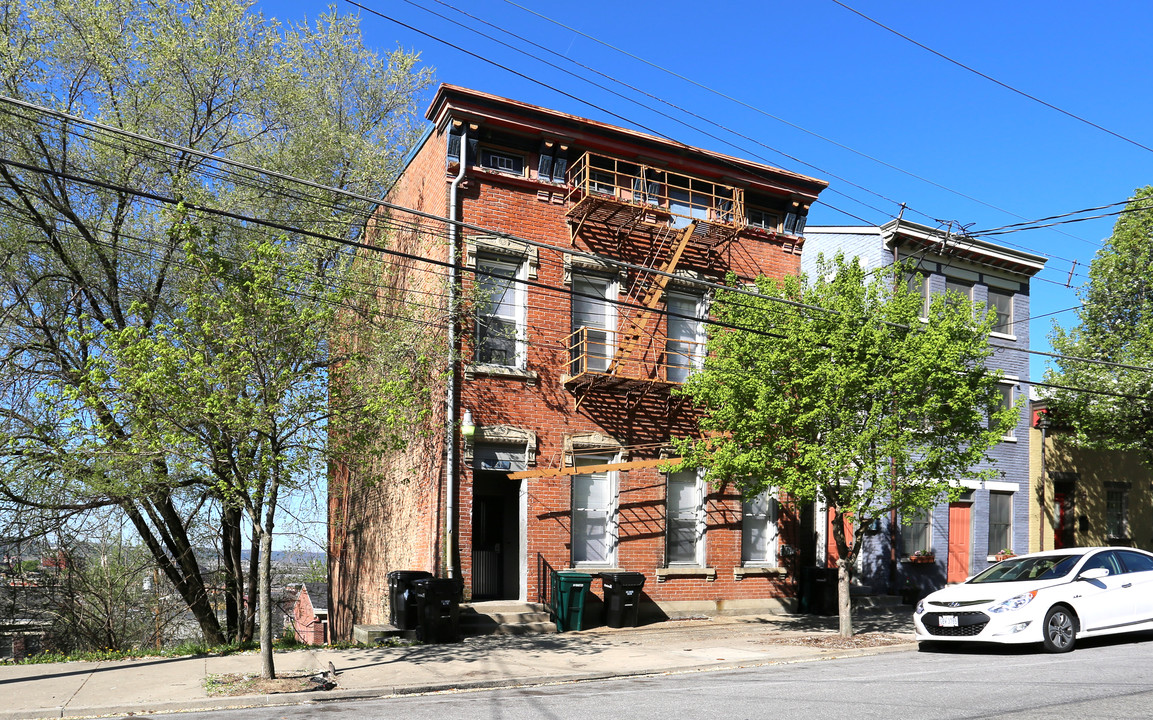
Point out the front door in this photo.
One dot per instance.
(495, 537)
(960, 541)
(1063, 514)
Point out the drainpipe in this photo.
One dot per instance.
(450, 393)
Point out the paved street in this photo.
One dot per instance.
(1110, 678)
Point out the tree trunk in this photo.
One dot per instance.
(180, 568)
(844, 567)
(233, 573)
(267, 667)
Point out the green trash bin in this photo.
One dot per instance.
(568, 591)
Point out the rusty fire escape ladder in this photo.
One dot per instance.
(653, 296)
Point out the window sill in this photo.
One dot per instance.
(1002, 336)
(593, 569)
(665, 573)
(471, 371)
(758, 571)
(1009, 439)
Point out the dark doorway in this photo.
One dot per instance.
(495, 537)
(1063, 514)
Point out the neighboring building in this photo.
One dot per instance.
(310, 614)
(1084, 497)
(567, 363)
(962, 537)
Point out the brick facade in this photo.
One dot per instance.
(509, 530)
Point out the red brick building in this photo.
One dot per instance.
(584, 257)
(310, 614)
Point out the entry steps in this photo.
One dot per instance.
(491, 617)
(505, 617)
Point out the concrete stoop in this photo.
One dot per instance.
(505, 617)
(876, 602)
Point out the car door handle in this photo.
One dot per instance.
(1127, 585)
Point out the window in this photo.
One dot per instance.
(915, 532)
(594, 513)
(684, 347)
(602, 182)
(1116, 512)
(502, 161)
(500, 318)
(759, 530)
(795, 223)
(1000, 522)
(1001, 304)
(1135, 561)
(763, 219)
(593, 322)
(955, 290)
(685, 519)
(1006, 390)
(552, 161)
(919, 285)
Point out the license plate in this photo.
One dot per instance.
(947, 621)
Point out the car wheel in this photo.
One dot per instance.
(1060, 630)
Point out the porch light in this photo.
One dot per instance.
(467, 428)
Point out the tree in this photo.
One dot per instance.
(835, 392)
(92, 252)
(1110, 404)
(237, 389)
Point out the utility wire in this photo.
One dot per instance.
(994, 80)
(767, 114)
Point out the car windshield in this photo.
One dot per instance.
(1047, 567)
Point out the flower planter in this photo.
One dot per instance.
(1000, 557)
(922, 559)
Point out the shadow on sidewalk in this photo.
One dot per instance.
(472, 650)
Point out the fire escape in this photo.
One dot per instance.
(667, 217)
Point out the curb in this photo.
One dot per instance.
(338, 695)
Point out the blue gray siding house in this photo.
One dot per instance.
(962, 537)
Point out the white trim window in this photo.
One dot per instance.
(1000, 522)
(500, 315)
(1008, 393)
(594, 521)
(685, 345)
(918, 285)
(594, 316)
(916, 535)
(685, 519)
(759, 534)
(1000, 303)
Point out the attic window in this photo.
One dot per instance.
(502, 161)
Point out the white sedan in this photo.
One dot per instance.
(1051, 597)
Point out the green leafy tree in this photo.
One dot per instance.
(837, 393)
(87, 261)
(1115, 325)
(237, 388)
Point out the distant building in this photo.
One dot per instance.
(961, 537)
(310, 614)
(1085, 497)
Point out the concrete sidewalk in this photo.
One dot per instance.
(89, 689)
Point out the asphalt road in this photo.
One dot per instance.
(1105, 678)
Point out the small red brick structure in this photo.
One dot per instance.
(310, 614)
(587, 253)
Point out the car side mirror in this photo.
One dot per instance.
(1094, 574)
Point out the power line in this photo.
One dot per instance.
(994, 80)
(362, 246)
(767, 114)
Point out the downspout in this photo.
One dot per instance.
(450, 393)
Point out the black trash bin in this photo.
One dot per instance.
(437, 609)
(568, 592)
(402, 599)
(622, 598)
(824, 594)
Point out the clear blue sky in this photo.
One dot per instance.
(820, 67)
